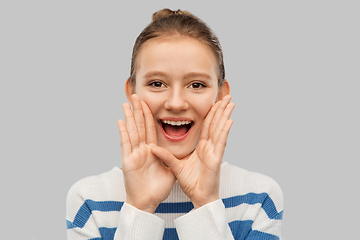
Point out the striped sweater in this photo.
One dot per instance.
(250, 207)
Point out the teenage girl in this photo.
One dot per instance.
(174, 183)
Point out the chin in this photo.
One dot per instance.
(179, 152)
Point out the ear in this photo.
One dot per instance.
(129, 90)
(224, 90)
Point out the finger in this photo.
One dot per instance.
(167, 157)
(224, 117)
(224, 102)
(139, 117)
(130, 125)
(206, 124)
(149, 125)
(221, 143)
(124, 139)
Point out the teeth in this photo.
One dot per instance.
(176, 123)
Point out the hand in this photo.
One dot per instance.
(147, 181)
(199, 173)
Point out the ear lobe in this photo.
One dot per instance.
(224, 90)
(129, 90)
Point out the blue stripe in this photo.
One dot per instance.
(88, 207)
(104, 206)
(240, 229)
(180, 207)
(69, 225)
(243, 230)
(253, 198)
(256, 235)
(107, 233)
(82, 216)
(250, 198)
(170, 234)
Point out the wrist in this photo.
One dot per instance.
(197, 204)
(149, 208)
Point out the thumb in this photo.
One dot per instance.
(167, 157)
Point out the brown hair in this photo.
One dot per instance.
(168, 22)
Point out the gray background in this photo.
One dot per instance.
(293, 67)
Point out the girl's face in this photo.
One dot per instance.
(178, 79)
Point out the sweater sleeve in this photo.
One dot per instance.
(206, 222)
(251, 210)
(89, 219)
(135, 224)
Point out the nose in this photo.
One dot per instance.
(176, 101)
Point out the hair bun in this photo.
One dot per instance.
(168, 12)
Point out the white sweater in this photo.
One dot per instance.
(250, 207)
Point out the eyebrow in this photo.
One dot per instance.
(187, 76)
(197, 75)
(155, 73)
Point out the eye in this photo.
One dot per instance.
(156, 84)
(197, 85)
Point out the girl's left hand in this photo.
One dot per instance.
(199, 173)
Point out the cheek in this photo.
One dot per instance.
(153, 102)
(203, 106)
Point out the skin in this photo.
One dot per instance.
(176, 79)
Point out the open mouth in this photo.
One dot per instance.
(176, 129)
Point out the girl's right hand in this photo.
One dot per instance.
(148, 181)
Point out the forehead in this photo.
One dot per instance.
(176, 56)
